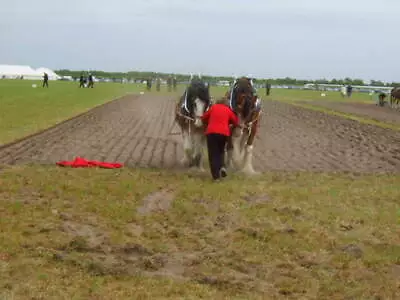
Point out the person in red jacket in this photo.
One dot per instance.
(218, 118)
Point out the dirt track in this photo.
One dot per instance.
(139, 131)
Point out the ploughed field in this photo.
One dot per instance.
(139, 131)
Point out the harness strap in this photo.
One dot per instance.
(257, 105)
(184, 104)
(231, 104)
(250, 124)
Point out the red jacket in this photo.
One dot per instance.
(218, 117)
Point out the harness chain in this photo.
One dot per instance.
(250, 124)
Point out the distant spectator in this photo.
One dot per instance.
(149, 83)
(349, 90)
(45, 80)
(169, 83)
(381, 98)
(158, 84)
(174, 83)
(268, 88)
(343, 91)
(91, 83)
(81, 81)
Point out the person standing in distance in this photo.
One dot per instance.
(217, 119)
(267, 88)
(91, 82)
(81, 81)
(45, 80)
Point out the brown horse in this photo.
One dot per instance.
(395, 97)
(193, 103)
(244, 101)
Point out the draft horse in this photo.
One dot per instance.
(243, 100)
(395, 97)
(194, 102)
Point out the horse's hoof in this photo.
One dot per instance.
(197, 169)
(185, 162)
(230, 168)
(234, 166)
(249, 172)
(196, 161)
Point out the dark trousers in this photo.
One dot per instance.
(216, 153)
(45, 83)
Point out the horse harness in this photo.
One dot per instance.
(184, 108)
(184, 112)
(257, 108)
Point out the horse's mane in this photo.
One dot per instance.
(243, 86)
(197, 89)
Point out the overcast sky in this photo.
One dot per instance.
(264, 38)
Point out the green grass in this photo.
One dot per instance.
(289, 95)
(311, 99)
(307, 95)
(25, 110)
(359, 119)
(78, 234)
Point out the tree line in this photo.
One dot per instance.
(136, 75)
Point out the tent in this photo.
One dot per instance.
(52, 75)
(16, 71)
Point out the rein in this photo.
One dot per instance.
(250, 124)
(185, 117)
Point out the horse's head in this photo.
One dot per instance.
(198, 100)
(245, 97)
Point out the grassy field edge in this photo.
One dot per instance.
(332, 112)
(68, 119)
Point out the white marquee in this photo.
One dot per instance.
(16, 71)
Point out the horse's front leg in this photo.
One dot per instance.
(229, 153)
(199, 143)
(244, 139)
(203, 146)
(187, 148)
(237, 154)
(248, 155)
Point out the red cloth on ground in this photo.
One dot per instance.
(80, 162)
(218, 118)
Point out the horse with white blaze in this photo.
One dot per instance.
(194, 102)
